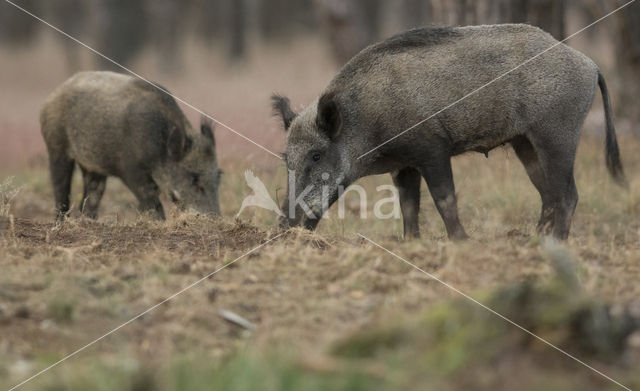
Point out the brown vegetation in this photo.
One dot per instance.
(63, 286)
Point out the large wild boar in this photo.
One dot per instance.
(111, 124)
(356, 126)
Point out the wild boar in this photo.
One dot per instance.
(395, 108)
(111, 124)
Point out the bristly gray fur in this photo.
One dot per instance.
(416, 38)
(112, 124)
(538, 108)
(281, 107)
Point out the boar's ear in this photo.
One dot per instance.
(282, 108)
(329, 120)
(206, 128)
(178, 143)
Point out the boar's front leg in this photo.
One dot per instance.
(146, 191)
(94, 185)
(61, 168)
(284, 221)
(436, 171)
(407, 181)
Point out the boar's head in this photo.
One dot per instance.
(318, 160)
(191, 175)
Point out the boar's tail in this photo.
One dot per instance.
(612, 151)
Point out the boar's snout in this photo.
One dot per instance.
(194, 176)
(300, 220)
(195, 191)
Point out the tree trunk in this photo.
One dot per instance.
(16, 27)
(238, 26)
(283, 19)
(514, 11)
(273, 18)
(349, 25)
(417, 13)
(466, 12)
(123, 31)
(74, 24)
(628, 50)
(167, 20)
(549, 15)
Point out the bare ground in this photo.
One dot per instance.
(63, 286)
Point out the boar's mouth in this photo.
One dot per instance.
(311, 223)
(175, 198)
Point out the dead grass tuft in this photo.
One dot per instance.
(7, 194)
(62, 286)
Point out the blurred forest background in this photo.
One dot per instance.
(62, 286)
(227, 56)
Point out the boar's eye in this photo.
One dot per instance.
(195, 179)
(315, 157)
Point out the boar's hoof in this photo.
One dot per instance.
(458, 236)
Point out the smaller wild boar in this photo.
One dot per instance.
(112, 124)
(384, 112)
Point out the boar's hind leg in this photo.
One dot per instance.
(557, 158)
(94, 185)
(527, 155)
(437, 173)
(146, 191)
(407, 181)
(61, 168)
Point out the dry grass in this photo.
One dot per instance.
(7, 195)
(62, 286)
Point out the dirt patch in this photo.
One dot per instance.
(62, 286)
(200, 236)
